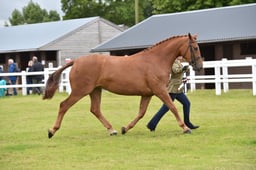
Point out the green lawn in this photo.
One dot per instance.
(225, 140)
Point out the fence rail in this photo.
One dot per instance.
(223, 77)
(220, 77)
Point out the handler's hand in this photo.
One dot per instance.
(185, 68)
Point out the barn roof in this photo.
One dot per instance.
(211, 25)
(34, 36)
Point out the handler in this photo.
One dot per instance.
(175, 89)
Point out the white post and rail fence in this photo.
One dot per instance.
(64, 82)
(221, 77)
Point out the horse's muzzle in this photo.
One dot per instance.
(198, 68)
(197, 64)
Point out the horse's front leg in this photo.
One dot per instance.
(168, 102)
(143, 108)
(64, 106)
(95, 96)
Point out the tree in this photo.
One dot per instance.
(170, 6)
(17, 18)
(120, 12)
(81, 8)
(32, 13)
(123, 11)
(117, 11)
(53, 15)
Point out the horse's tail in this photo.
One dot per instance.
(53, 81)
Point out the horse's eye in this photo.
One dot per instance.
(195, 48)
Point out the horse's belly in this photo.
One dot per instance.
(127, 89)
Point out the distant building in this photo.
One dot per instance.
(53, 42)
(227, 32)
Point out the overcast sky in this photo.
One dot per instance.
(7, 6)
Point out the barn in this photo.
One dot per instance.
(227, 32)
(54, 42)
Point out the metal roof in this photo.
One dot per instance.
(33, 36)
(211, 25)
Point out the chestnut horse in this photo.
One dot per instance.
(144, 74)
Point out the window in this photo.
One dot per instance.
(2, 59)
(248, 48)
(50, 56)
(228, 51)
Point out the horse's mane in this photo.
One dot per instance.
(161, 42)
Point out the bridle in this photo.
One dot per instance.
(194, 59)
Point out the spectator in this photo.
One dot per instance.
(1, 71)
(2, 82)
(12, 69)
(29, 78)
(37, 79)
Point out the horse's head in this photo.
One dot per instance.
(194, 55)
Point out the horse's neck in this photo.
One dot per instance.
(166, 52)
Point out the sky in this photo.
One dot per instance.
(7, 6)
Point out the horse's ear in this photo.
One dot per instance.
(189, 35)
(195, 36)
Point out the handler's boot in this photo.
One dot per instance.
(188, 123)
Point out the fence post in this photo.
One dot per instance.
(192, 78)
(46, 75)
(24, 82)
(68, 88)
(225, 75)
(61, 84)
(217, 80)
(254, 78)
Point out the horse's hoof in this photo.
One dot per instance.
(113, 133)
(123, 130)
(50, 134)
(187, 131)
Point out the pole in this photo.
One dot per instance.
(136, 11)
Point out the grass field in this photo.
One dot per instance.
(226, 139)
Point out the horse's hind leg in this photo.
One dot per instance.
(64, 106)
(143, 108)
(168, 102)
(95, 109)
